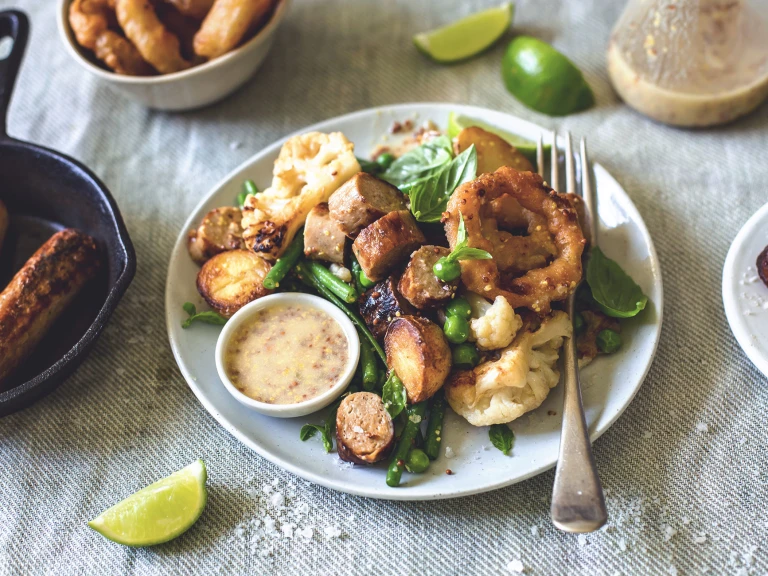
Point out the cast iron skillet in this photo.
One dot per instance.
(46, 191)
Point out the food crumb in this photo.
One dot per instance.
(449, 472)
(516, 566)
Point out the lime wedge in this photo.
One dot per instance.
(159, 512)
(457, 123)
(544, 79)
(466, 37)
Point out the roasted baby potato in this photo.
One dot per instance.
(493, 152)
(219, 231)
(419, 354)
(232, 279)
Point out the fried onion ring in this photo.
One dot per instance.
(538, 287)
(227, 23)
(155, 43)
(196, 9)
(91, 21)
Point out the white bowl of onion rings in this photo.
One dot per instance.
(188, 89)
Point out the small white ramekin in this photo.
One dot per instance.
(188, 89)
(313, 404)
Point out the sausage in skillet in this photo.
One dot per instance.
(40, 291)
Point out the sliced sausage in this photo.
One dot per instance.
(323, 239)
(361, 200)
(3, 223)
(364, 430)
(387, 242)
(219, 231)
(419, 354)
(232, 279)
(382, 304)
(40, 292)
(420, 286)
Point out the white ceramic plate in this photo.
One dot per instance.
(610, 382)
(744, 295)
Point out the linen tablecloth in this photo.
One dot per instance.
(685, 468)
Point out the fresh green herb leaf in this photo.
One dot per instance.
(429, 196)
(369, 167)
(420, 162)
(615, 292)
(207, 317)
(309, 430)
(394, 395)
(502, 437)
(463, 252)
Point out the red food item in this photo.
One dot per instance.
(762, 265)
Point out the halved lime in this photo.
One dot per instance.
(544, 79)
(159, 512)
(457, 123)
(466, 37)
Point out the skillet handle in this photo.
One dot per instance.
(13, 24)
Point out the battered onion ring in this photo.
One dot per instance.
(537, 288)
(196, 9)
(91, 21)
(156, 44)
(227, 24)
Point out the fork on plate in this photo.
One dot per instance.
(578, 504)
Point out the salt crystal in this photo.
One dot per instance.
(306, 533)
(622, 544)
(702, 428)
(287, 529)
(686, 520)
(534, 531)
(234, 145)
(332, 532)
(269, 524)
(120, 371)
(358, 429)
(516, 566)
(669, 533)
(449, 453)
(647, 434)
(352, 519)
(277, 499)
(267, 489)
(672, 571)
(582, 540)
(700, 539)
(275, 482)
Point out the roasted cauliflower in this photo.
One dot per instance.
(308, 170)
(492, 326)
(499, 391)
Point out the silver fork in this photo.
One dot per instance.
(578, 504)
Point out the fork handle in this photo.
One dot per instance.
(578, 504)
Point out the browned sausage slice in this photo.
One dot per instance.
(364, 430)
(382, 304)
(40, 291)
(420, 286)
(419, 354)
(361, 200)
(219, 231)
(387, 242)
(323, 239)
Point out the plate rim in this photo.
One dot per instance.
(730, 301)
(404, 494)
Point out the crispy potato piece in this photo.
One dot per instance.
(227, 24)
(493, 152)
(3, 223)
(419, 354)
(219, 231)
(232, 279)
(196, 9)
(154, 42)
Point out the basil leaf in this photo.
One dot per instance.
(394, 395)
(615, 292)
(467, 253)
(309, 430)
(501, 437)
(368, 166)
(207, 317)
(420, 162)
(429, 198)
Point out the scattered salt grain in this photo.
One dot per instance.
(120, 371)
(301, 509)
(269, 524)
(235, 145)
(276, 482)
(672, 571)
(306, 533)
(516, 566)
(582, 539)
(700, 539)
(277, 500)
(287, 529)
(702, 428)
(534, 531)
(647, 434)
(332, 532)
(686, 520)
(622, 544)
(449, 453)
(267, 489)
(669, 533)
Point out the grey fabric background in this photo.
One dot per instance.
(127, 418)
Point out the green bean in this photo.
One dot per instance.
(397, 463)
(250, 187)
(368, 363)
(332, 282)
(355, 267)
(435, 426)
(285, 263)
(306, 276)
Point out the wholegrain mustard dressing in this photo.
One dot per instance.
(286, 354)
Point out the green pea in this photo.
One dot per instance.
(385, 160)
(446, 270)
(465, 356)
(456, 329)
(417, 461)
(459, 307)
(608, 341)
(365, 281)
(578, 323)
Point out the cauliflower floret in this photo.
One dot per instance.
(497, 392)
(492, 326)
(308, 170)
